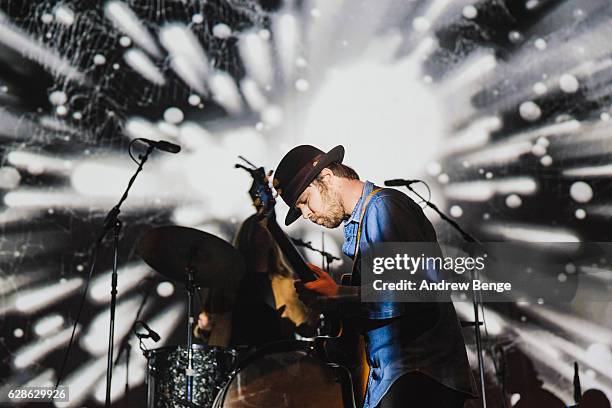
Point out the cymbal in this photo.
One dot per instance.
(171, 250)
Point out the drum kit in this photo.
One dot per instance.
(288, 374)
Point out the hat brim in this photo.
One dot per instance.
(335, 155)
(292, 215)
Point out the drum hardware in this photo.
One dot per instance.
(150, 334)
(186, 403)
(196, 259)
(166, 375)
(189, 370)
(125, 345)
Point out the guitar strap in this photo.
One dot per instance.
(361, 373)
(363, 210)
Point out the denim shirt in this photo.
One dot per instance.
(424, 337)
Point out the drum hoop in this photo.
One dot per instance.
(278, 346)
(174, 347)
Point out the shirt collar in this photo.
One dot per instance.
(356, 214)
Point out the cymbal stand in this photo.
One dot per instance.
(189, 370)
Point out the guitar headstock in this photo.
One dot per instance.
(261, 193)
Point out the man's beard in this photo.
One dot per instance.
(333, 212)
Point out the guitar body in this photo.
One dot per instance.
(344, 345)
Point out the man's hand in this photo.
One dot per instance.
(319, 291)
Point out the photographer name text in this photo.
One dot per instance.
(429, 286)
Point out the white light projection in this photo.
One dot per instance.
(368, 101)
(13, 37)
(139, 61)
(128, 22)
(34, 352)
(34, 299)
(324, 73)
(530, 233)
(485, 190)
(128, 278)
(590, 171)
(95, 339)
(188, 59)
(48, 325)
(257, 54)
(38, 164)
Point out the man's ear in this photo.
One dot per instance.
(325, 173)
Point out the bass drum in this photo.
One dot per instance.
(166, 386)
(286, 375)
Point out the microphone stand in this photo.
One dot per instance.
(125, 344)
(477, 303)
(112, 221)
(329, 258)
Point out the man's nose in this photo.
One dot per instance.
(305, 212)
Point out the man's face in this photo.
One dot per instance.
(320, 203)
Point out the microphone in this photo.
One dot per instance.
(400, 182)
(162, 145)
(150, 333)
(299, 242)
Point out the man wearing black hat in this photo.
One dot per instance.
(415, 351)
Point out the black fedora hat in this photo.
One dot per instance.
(298, 169)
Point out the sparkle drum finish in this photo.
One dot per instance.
(166, 384)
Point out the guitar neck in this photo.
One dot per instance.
(292, 255)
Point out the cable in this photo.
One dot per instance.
(428, 194)
(423, 200)
(489, 349)
(130, 151)
(94, 257)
